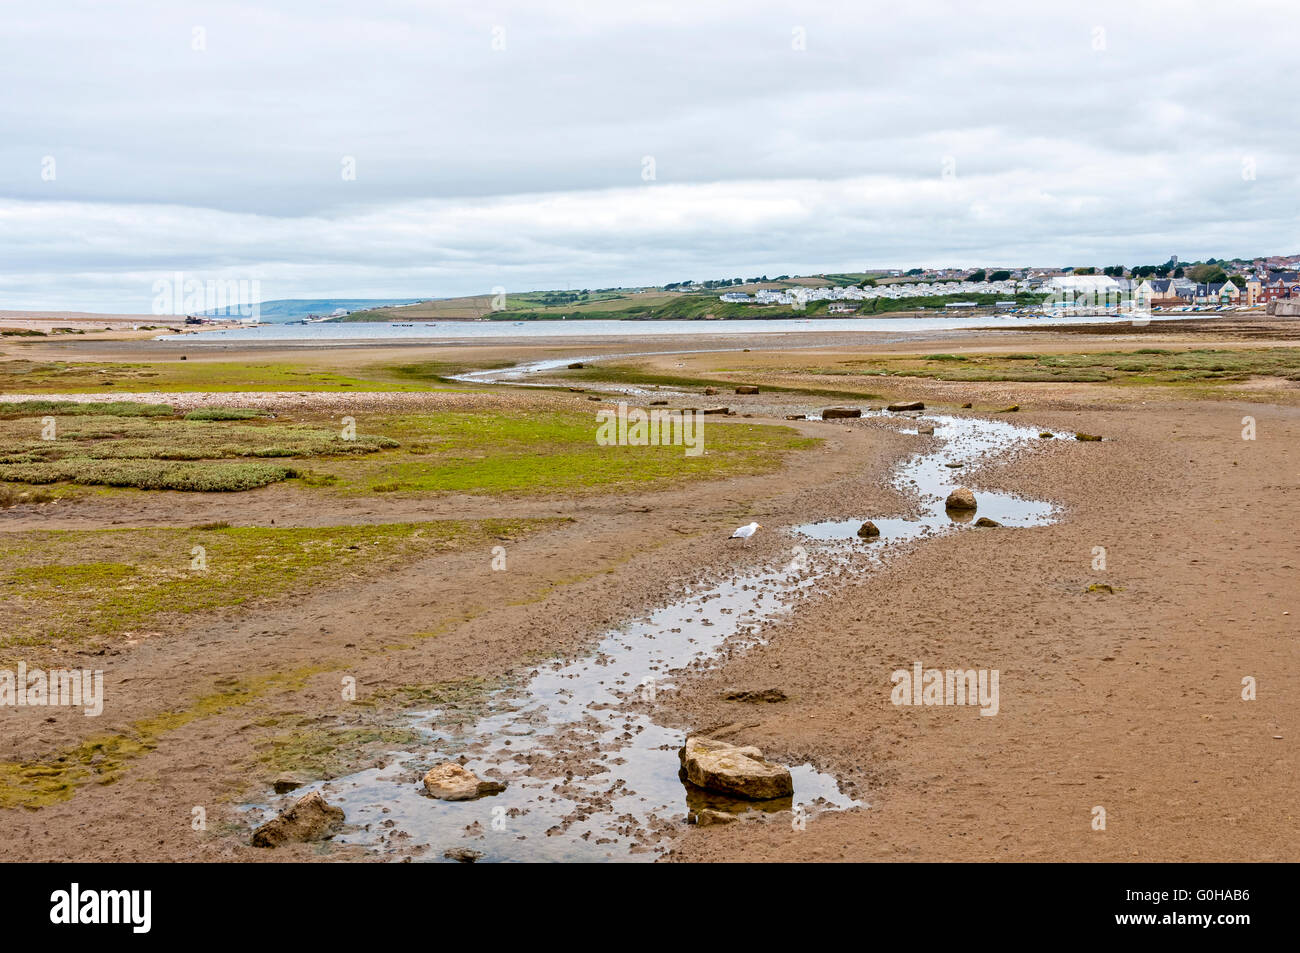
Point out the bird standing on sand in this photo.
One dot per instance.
(746, 531)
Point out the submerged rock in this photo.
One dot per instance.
(834, 413)
(1086, 436)
(306, 819)
(907, 405)
(960, 499)
(710, 391)
(1010, 410)
(796, 416)
(985, 521)
(868, 530)
(925, 429)
(455, 782)
(577, 366)
(707, 817)
(728, 769)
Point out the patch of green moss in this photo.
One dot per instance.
(329, 752)
(103, 759)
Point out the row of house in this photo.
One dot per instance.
(1257, 290)
(854, 293)
(1069, 290)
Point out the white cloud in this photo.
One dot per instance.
(522, 167)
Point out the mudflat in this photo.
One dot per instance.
(427, 588)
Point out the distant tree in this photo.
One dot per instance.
(976, 275)
(1207, 274)
(1085, 271)
(867, 283)
(1238, 280)
(912, 272)
(1000, 276)
(1113, 271)
(1178, 272)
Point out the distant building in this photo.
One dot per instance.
(1219, 293)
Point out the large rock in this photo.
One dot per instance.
(290, 781)
(455, 782)
(834, 413)
(746, 389)
(308, 818)
(868, 530)
(909, 405)
(463, 855)
(738, 772)
(960, 499)
(710, 391)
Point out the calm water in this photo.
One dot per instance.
(478, 330)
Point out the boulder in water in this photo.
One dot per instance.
(455, 782)
(960, 499)
(739, 772)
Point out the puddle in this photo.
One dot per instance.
(591, 776)
(930, 478)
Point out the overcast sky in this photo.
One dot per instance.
(576, 144)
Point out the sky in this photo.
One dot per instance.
(399, 149)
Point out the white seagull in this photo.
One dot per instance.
(746, 531)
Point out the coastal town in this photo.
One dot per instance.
(1210, 285)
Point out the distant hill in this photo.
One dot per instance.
(295, 309)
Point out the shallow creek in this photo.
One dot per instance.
(590, 773)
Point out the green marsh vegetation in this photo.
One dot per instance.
(548, 452)
(88, 377)
(148, 446)
(151, 447)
